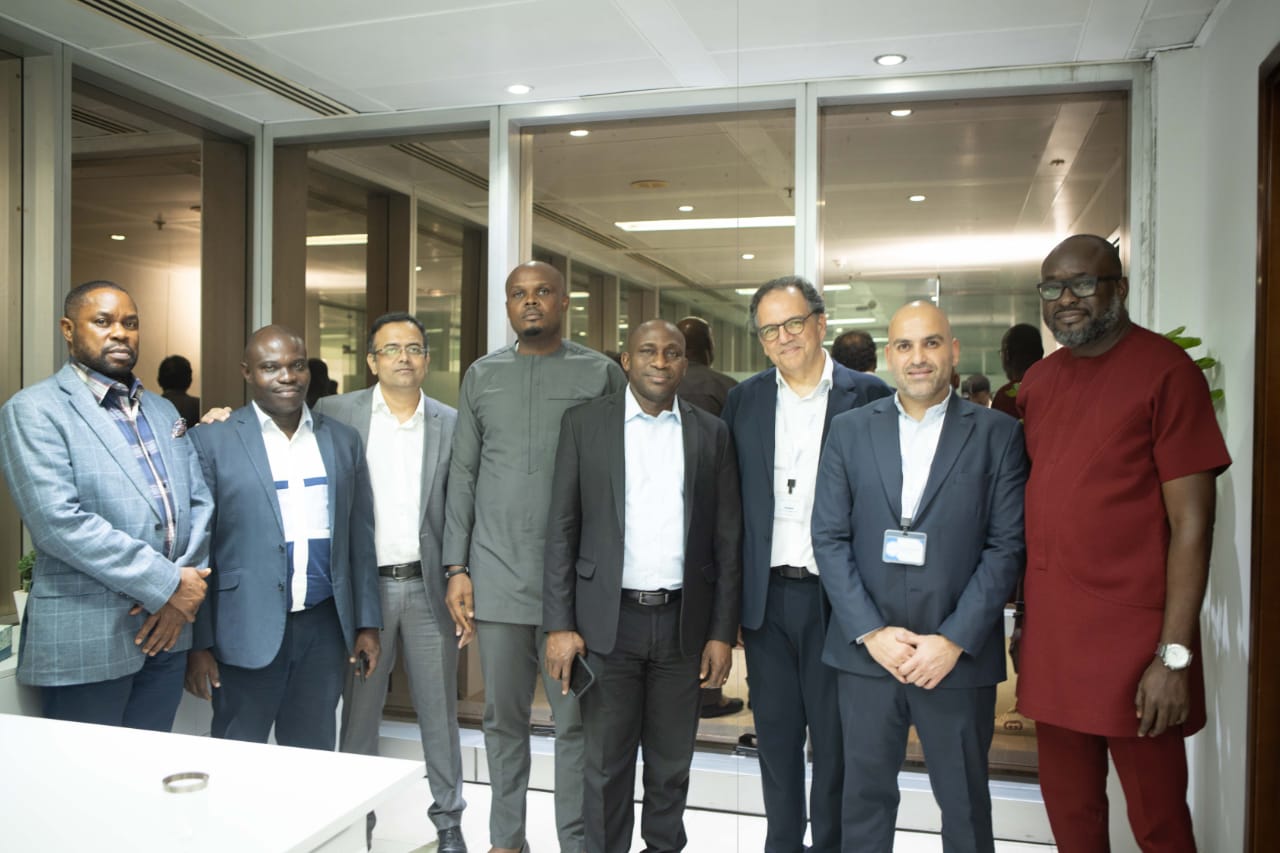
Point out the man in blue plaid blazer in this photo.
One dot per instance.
(110, 488)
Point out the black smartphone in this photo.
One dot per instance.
(580, 677)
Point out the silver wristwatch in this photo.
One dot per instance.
(1174, 656)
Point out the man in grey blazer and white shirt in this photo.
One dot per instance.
(109, 486)
(408, 440)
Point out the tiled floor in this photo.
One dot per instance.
(403, 827)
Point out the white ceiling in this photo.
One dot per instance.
(407, 54)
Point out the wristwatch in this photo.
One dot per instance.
(1174, 656)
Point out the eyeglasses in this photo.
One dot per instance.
(1082, 286)
(794, 326)
(394, 350)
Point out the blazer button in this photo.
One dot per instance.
(281, 547)
(280, 587)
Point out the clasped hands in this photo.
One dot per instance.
(911, 658)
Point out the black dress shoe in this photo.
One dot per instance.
(371, 820)
(722, 708)
(450, 840)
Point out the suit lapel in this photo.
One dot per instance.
(250, 432)
(615, 437)
(430, 456)
(103, 427)
(888, 453)
(841, 398)
(956, 428)
(362, 415)
(692, 443)
(324, 438)
(762, 411)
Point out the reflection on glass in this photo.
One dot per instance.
(439, 282)
(135, 220)
(337, 233)
(597, 199)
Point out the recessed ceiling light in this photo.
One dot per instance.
(117, 236)
(582, 131)
(916, 197)
(579, 294)
(417, 268)
(834, 288)
(902, 113)
(708, 224)
(685, 208)
(747, 256)
(521, 89)
(745, 291)
(890, 59)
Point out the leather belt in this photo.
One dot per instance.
(654, 598)
(792, 573)
(401, 571)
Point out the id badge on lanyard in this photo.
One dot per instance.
(904, 547)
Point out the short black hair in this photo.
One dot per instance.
(975, 384)
(855, 350)
(175, 373)
(396, 317)
(77, 295)
(811, 295)
(1021, 347)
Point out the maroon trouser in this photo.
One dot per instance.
(1153, 773)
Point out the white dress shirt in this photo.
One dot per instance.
(653, 540)
(918, 442)
(797, 446)
(302, 490)
(394, 455)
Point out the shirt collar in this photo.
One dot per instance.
(266, 423)
(824, 384)
(931, 414)
(633, 409)
(101, 386)
(380, 403)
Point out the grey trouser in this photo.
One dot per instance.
(431, 662)
(511, 657)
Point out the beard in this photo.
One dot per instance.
(99, 362)
(1096, 328)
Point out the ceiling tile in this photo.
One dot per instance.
(256, 18)
(172, 66)
(71, 22)
(264, 106)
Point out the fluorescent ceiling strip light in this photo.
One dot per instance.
(708, 224)
(852, 321)
(338, 240)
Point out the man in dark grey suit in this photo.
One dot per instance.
(918, 533)
(408, 438)
(642, 577)
(295, 585)
(779, 420)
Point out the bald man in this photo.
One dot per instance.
(504, 447)
(1120, 508)
(917, 530)
(294, 593)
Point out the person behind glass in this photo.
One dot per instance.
(175, 379)
(976, 389)
(642, 576)
(509, 411)
(778, 419)
(1124, 445)
(1020, 348)
(320, 385)
(917, 529)
(856, 350)
(408, 439)
(110, 489)
(296, 588)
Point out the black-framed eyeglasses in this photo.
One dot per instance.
(394, 350)
(794, 326)
(1082, 286)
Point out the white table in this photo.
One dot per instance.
(74, 786)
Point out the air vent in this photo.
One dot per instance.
(106, 125)
(194, 45)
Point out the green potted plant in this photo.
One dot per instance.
(25, 566)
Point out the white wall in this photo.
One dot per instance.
(1206, 110)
